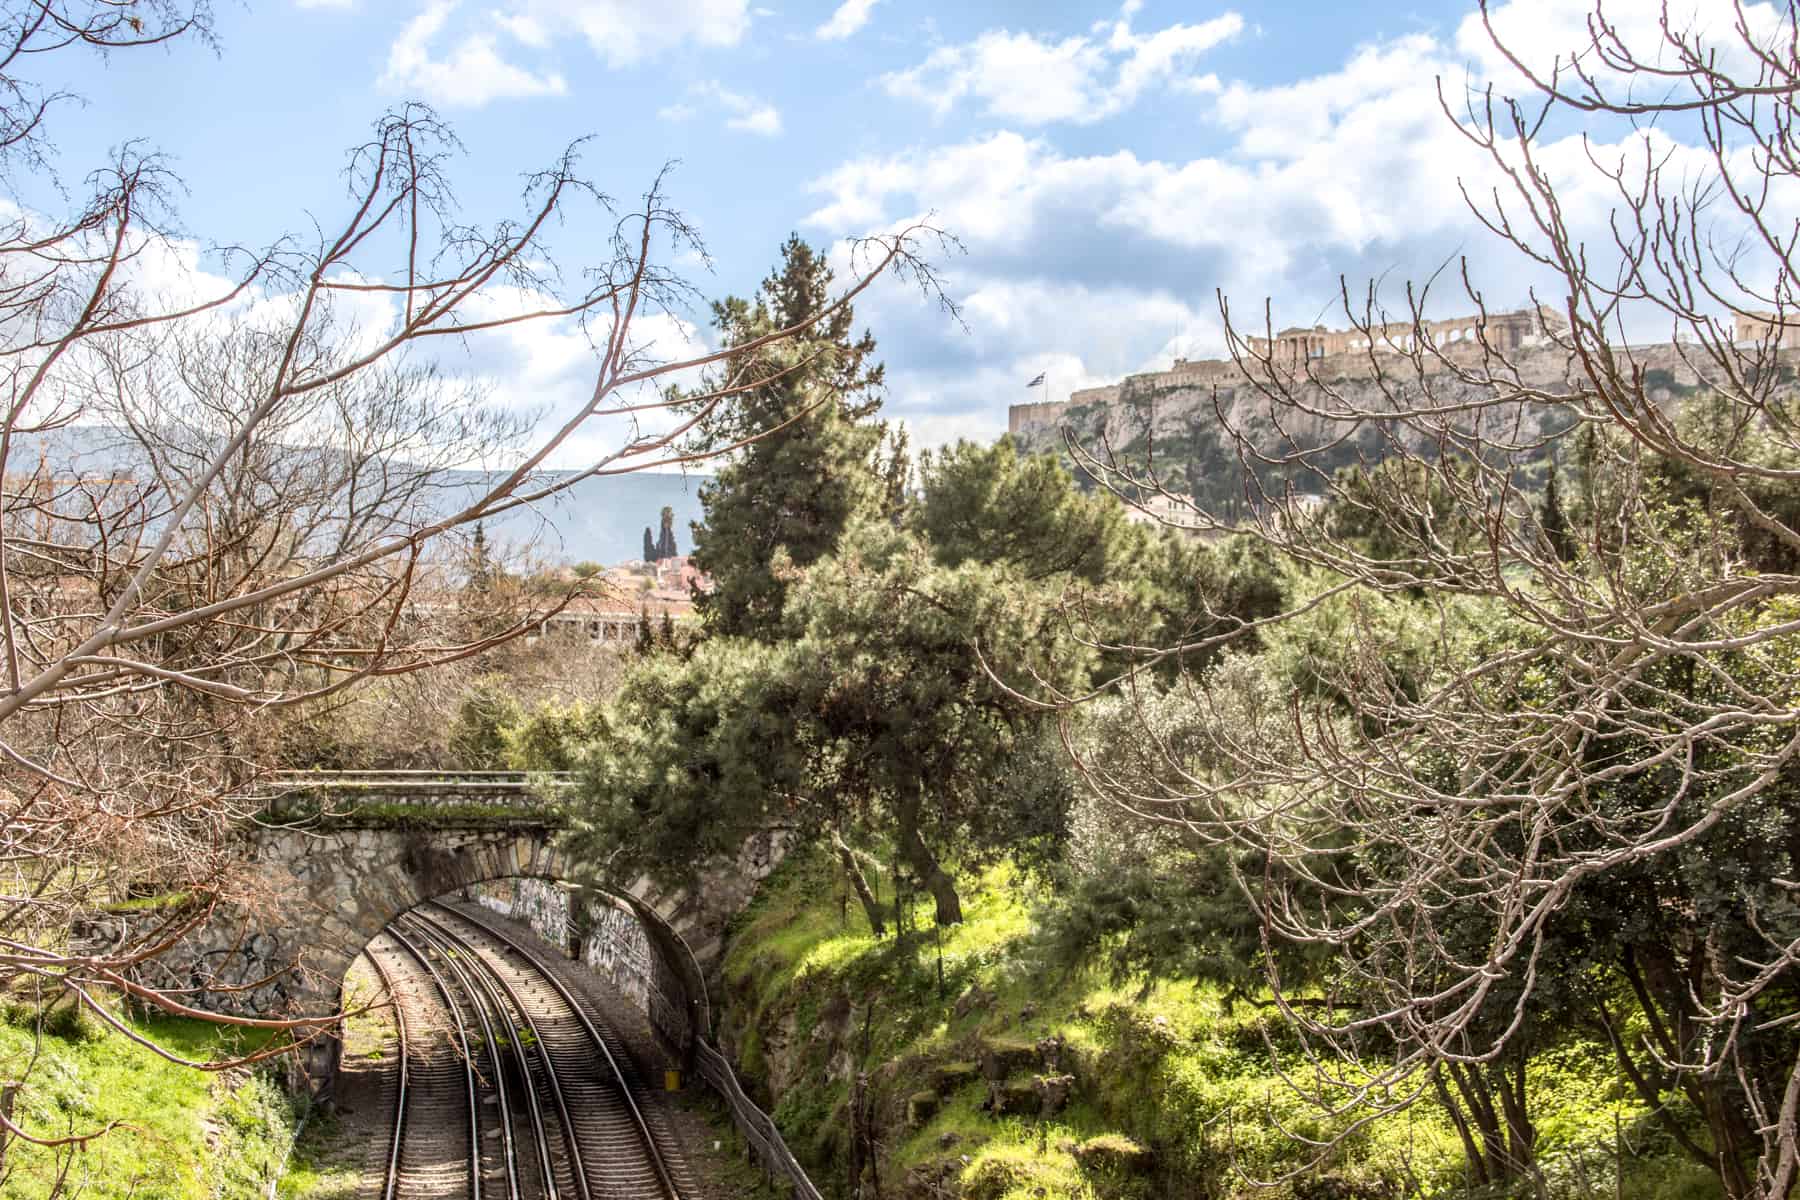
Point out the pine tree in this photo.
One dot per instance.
(665, 545)
(1555, 522)
(649, 546)
(481, 567)
(483, 603)
(893, 465)
(795, 489)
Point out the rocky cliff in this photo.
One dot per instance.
(1190, 425)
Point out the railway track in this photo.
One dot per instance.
(508, 1089)
(434, 1147)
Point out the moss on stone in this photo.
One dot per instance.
(950, 1077)
(1113, 1154)
(1014, 1099)
(1002, 1058)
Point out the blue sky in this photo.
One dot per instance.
(1108, 165)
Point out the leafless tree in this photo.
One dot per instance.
(1567, 791)
(282, 437)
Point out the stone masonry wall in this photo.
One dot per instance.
(614, 944)
(326, 892)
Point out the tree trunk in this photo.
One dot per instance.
(1665, 981)
(1521, 1134)
(859, 885)
(1723, 1121)
(926, 866)
(7, 1092)
(859, 1135)
(1486, 1120)
(1650, 1085)
(1471, 1152)
(1499, 1140)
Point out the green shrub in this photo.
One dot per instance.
(255, 1134)
(183, 1134)
(71, 1022)
(1669, 1179)
(478, 734)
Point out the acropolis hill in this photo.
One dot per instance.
(1336, 353)
(1191, 414)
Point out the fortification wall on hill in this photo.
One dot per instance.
(1543, 366)
(1048, 414)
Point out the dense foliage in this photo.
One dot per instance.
(806, 468)
(1486, 762)
(867, 716)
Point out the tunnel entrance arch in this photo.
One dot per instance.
(327, 890)
(665, 980)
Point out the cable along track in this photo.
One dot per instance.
(547, 1107)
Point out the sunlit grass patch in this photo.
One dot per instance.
(178, 1133)
(1197, 1080)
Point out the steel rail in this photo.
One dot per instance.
(468, 1059)
(472, 992)
(578, 1167)
(405, 772)
(496, 986)
(392, 1179)
(450, 780)
(575, 1006)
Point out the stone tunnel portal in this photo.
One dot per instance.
(620, 937)
(332, 890)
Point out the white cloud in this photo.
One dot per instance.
(476, 70)
(472, 73)
(549, 368)
(1082, 79)
(1074, 336)
(1541, 32)
(849, 19)
(623, 32)
(763, 120)
(744, 114)
(1093, 265)
(524, 28)
(1340, 164)
(749, 115)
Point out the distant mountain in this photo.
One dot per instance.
(600, 520)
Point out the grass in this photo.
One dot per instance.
(142, 904)
(179, 1133)
(1183, 1082)
(311, 1175)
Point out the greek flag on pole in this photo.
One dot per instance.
(1038, 382)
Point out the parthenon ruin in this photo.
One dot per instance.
(1500, 331)
(1782, 333)
(1341, 349)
